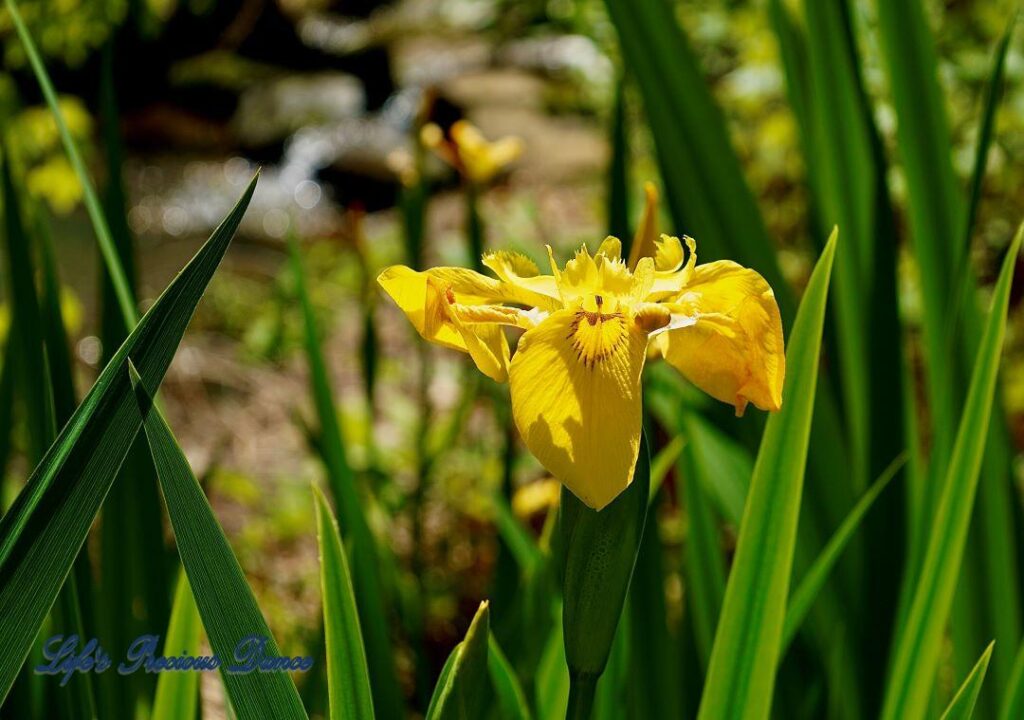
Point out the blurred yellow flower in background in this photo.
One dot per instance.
(469, 152)
(575, 376)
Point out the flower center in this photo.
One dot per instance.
(596, 333)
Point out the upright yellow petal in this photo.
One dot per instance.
(730, 344)
(670, 274)
(575, 385)
(431, 301)
(524, 283)
(647, 232)
(611, 247)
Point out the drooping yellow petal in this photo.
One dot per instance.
(432, 300)
(575, 385)
(729, 340)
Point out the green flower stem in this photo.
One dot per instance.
(474, 225)
(92, 204)
(582, 687)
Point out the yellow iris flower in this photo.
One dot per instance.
(469, 152)
(575, 375)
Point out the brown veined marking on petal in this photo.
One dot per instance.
(600, 337)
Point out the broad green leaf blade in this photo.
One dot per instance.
(508, 693)
(704, 565)
(722, 466)
(917, 653)
(6, 417)
(705, 187)
(962, 705)
(177, 693)
(741, 676)
(442, 680)
(846, 195)
(366, 555)
(600, 553)
(32, 387)
(92, 203)
(134, 580)
(663, 462)
(517, 538)
(935, 204)
(989, 606)
(618, 170)
(793, 55)
(654, 666)
(464, 691)
(55, 337)
(225, 601)
(348, 680)
(41, 534)
(75, 602)
(814, 579)
(993, 94)
(1012, 706)
(613, 689)
(552, 685)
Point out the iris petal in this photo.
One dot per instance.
(523, 282)
(730, 343)
(430, 300)
(575, 385)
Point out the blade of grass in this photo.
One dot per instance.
(348, 680)
(519, 541)
(464, 691)
(510, 697)
(1012, 705)
(994, 599)
(741, 674)
(814, 579)
(6, 417)
(654, 667)
(613, 689)
(916, 654)
(552, 686)
(663, 462)
(75, 601)
(962, 706)
(720, 464)
(92, 203)
(177, 693)
(703, 563)
(706, 190)
(359, 540)
(226, 604)
(846, 193)
(43, 386)
(41, 534)
(935, 205)
(135, 578)
(33, 389)
(993, 94)
(618, 170)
